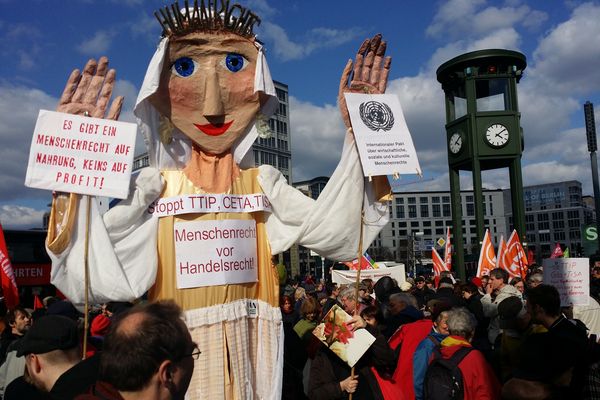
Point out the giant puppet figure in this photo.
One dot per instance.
(206, 91)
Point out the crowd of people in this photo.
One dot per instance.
(488, 338)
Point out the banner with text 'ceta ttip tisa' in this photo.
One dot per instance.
(77, 154)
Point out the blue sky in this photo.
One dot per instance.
(308, 43)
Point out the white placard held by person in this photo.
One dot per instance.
(77, 154)
(382, 137)
(571, 277)
(209, 253)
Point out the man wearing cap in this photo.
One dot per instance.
(53, 360)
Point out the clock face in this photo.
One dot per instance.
(497, 135)
(455, 143)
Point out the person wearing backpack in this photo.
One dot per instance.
(430, 346)
(460, 371)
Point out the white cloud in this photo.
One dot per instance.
(567, 59)
(316, 38)
(97, 44)
(19, 217)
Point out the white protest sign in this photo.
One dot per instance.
(210, 203)
(209, 253)
(382, 137)
(77, 154)
(570, 276)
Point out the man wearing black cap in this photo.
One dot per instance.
(53, 360)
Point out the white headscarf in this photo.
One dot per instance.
(176, 154)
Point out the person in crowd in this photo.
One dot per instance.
(299, 296)
(372, 316)
(347, 298)
(18, 321)
(12, 367)
(421, 292)
(364, 296)
(472, 297)
(309, 312)
(148, 354)
(516, 325)
(535, 279)
(425, 349)
(479, 381)
(406, 287)
(383, 288)
(332, 289)
(485, 281)
(402, 309)
(497, 290)
(518, 283)
(289, 315)
(291, 287)
(98, 330)
(53, 361)
(330, 377)
(557, 359)
(446, 293)
(429, 284)
(368, 282)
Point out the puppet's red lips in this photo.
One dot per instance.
(214, 130)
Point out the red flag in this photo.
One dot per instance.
(557, 251)
(487, 256)
(514, 260)
(9, 285)
(366, 263)
(448, 251)
(530, 257)
(501, 251)
(438, 263)
(37, 303)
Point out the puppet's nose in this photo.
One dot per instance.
(213, 101)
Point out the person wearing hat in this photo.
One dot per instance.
(421, 292)
(53, 361)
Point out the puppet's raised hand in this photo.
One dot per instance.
(368, 74)
(90, 91)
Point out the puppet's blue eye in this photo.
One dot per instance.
(184, 67)
(235, 62)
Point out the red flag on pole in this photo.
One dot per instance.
(557, 253)
(514, 260)
(448, 251)
(487, 256)
(438, 263)
(9, 285)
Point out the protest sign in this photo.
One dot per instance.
(382, 137)
(348, 277)
(335, 333)
(570, 276)
(77, 154)
(209, 253)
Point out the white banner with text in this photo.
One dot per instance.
(77, 154)
(209, 253)
(210, 203)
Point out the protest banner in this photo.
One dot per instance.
(349, 277)
(77, 154)
(570, 276)
(384, 143)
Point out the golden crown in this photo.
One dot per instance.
(209, 15)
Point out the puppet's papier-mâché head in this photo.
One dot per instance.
(208, 82)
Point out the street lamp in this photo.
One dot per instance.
(410, 254)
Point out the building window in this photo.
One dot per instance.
(402, 232)
(559, 224)
(574, 235)
(445, 199)
(470, 209)
(542, 217)
(282, 109)
(435, 199)
(543, 225)
(281, 94)
(414, 224)
(446, 209)
(424, 211)
(402, 224)
(469, 198)
(399, 200)
(412, 200)
(400, 212)
(439, 231)
(427, 232)
(439, 223)
(558, 215)
(426, 223)
(412, 211)
(544, 237)
(559, 236)
(423, 200)
(437, 212)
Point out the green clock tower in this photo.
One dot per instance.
(483, 130)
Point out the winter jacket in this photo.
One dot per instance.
(479, 380)
(490, 309)
(421, 359)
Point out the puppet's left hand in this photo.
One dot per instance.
(369, 75)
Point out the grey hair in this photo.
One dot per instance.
(461, 322)
(348, 292)
(405, 298)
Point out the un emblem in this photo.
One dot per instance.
(376, 116)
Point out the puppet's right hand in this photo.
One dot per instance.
(89, 93)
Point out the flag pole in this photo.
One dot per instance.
(360, 253)
(87, 279)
